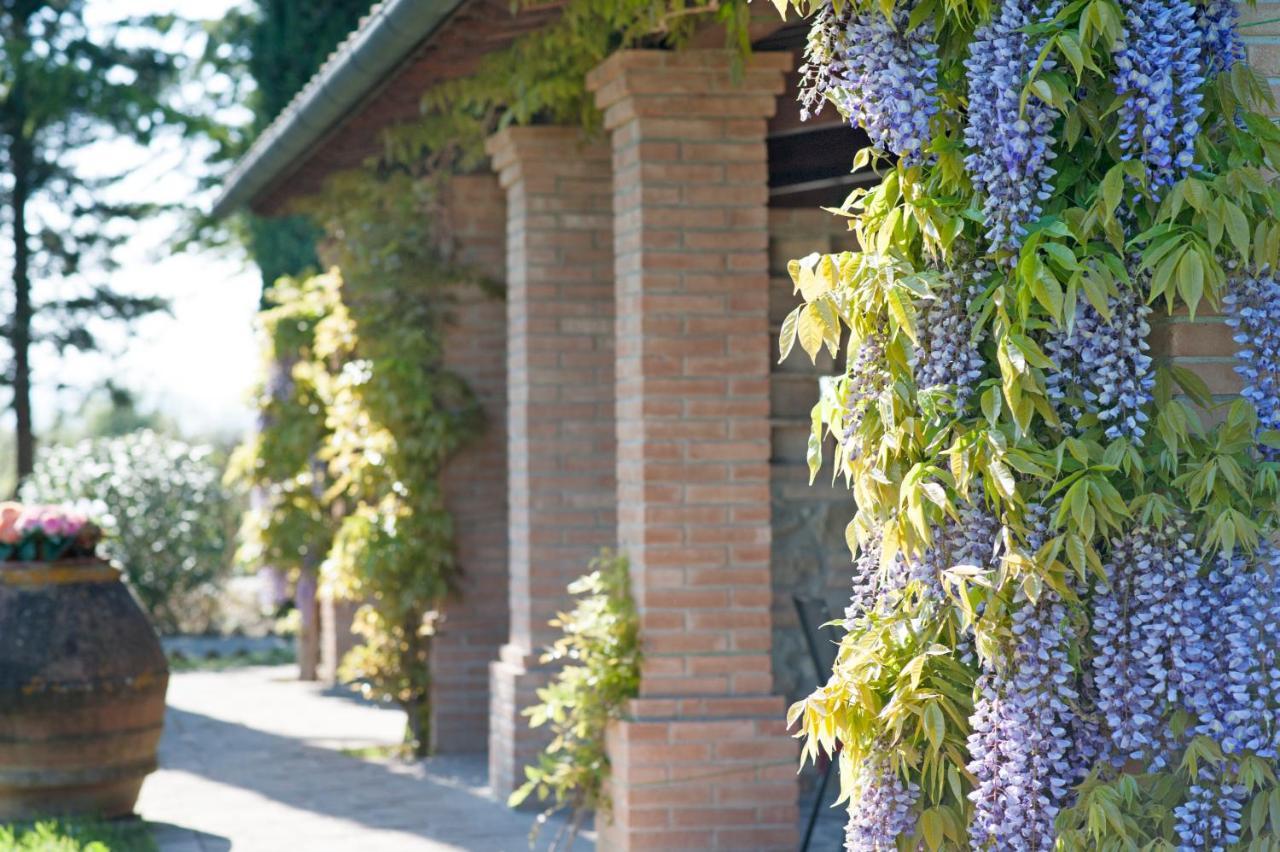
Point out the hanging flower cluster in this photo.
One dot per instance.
(1143, 637)
(824, 54)
(1021, 747)
(1220, 43)
(886, 811)
(880, 71)
(1104, 368)
(947, 357)
(1010, 139)
(1253, 312)
(1061, 634)
(1158, 70)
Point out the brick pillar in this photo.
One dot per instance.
(560, 459)
(1203, 345)
(701, 759)
(475, 481)
(336, 634)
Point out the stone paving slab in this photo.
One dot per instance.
(252, 761)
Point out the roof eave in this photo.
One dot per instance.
(364, 61)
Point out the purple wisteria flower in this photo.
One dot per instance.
(824, 55)
(1010, 143)
(869, 584)
(1232, 654)
(1139, 623)
(865, 379)
(1104, 368)
(1220, 44)
(1213, 815)
(1158, 69)
(1022, 742)
(1028, 742)
(947, 356)
(882, 76)
(883, 808)
(1252, 306)
(888, 83)
(972, 540)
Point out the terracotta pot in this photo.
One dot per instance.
(82, 686)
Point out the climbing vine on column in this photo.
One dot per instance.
(1062, 629)
(395, 416)
(288, 526)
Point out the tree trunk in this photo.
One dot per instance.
(20, 336)
(308, 642)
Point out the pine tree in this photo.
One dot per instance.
(64, 87)
(280, 44)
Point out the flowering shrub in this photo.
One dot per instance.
(162, 508)
(1062, 628)
(600, 653)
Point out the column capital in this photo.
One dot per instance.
(540, 143)
(688, 84)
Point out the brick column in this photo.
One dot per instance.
(475, 481)
(560, 454)
(701, 759)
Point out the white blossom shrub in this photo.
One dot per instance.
(165, 513)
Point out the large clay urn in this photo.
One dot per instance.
(82, 686)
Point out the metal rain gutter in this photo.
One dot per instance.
(383, 40)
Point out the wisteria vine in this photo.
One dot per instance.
(1062, 627)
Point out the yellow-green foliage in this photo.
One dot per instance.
(600, 650)
(394, 416)
(288, 527)
(903, 685)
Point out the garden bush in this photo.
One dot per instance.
(600, 655)
(167, 518)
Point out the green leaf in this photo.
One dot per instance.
(787, 338)
(1003, 479)
(1191, 279)
(935, 726)
(1238, 230)
(811, 331)
(931, 827)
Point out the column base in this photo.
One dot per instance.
(336, 635)
(514, 679)
(702, 773)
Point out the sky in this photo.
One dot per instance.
(198, 365)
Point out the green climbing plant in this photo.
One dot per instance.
(1062, 564)
(599, 655)
(395, 415)
(288, 526)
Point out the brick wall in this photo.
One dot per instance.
(475, 625)
(701, 760)
(561, 483)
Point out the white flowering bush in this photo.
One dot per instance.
(165, 514)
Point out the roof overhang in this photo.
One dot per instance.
(371, 54)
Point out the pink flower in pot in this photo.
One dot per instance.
(10, 513)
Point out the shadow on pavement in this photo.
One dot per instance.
(174, 838)
(443, 799)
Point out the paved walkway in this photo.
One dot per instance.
(253, 761)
